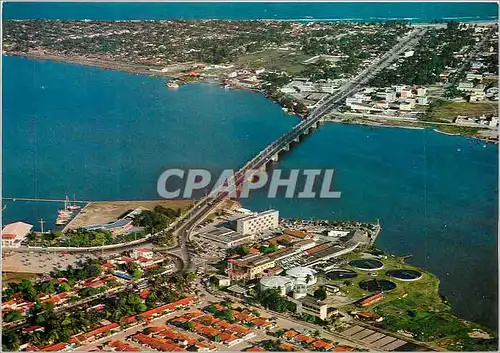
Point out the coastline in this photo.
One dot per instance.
(177, 72)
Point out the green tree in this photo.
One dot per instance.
(320, 293)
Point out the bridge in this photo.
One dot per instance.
(184, 225)
(208, 204)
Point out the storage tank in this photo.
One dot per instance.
(302, 274)
(283, 284)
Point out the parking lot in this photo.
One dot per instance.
(41, 262)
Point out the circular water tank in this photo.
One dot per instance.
(302, 274)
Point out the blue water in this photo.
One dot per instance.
(354, 11)
(107, 135)
(434, 202)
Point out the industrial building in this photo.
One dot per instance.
(226, 238)
(312, 306)
(249, 267)
(297, 280)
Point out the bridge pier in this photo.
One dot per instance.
(286, 148)
(297, 139)
(274, 158)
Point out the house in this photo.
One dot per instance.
(14, 233)
(62, 346)
(321, 345)
(465, 86)
(142, 252)
(422, 100)
(35, 328)
(421, 91)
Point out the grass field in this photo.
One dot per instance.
(450, 110)
(15, 277)
(273, 60)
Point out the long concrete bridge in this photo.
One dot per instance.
(271, 153)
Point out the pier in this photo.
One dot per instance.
(26, 199)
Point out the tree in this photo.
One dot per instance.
(63, 287)
(320, 293)
(190, 326)
(10, 341)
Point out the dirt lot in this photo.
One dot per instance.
(103, 212)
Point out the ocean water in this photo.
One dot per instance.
(353, 11)
(435, 197)
(106, 135)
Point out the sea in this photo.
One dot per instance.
(97, 134)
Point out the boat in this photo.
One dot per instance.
(172, 84)
(65, 215)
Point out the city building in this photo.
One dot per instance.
(14, 233)
(257, 223)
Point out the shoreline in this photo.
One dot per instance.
(180, 73)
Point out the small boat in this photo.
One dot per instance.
(172, 84)
(61, 221)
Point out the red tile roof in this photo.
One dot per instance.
(158, 343)
(55, 347)
(291, 333)
(303, 338)
(320, 344)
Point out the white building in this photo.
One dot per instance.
(142, 252)
(311, 306)
(257, 223)
(390, 97)
(14, 233)
(421, 91)
(465, 86)
(337, 233)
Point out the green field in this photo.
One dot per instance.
(273, 59)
